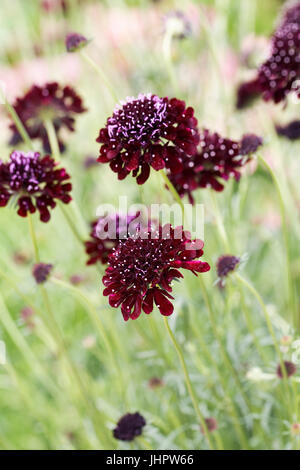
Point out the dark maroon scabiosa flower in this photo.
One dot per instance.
(155, 382)
(75, 41)
(129, 426)
(49, 102)
(41, 272)
(290, 369)
(247, 93)
(226, 264)
(211, 424)
(105, 235)
(291, 131)
(291, 13)
(278, 75)
(217, 159)
(35, 182)
(145, 132)
(250, 144)
(142, 268)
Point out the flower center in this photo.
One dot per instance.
(139, 120)
(26, 172)
(141, 261)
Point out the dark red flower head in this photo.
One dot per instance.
(290, 369)
(226, 264)
(218, 158)
(291, 131)
(278, 74)
(211, 424)
(247, 93)
(142, 268)
(35, 182)
(129, 426)
(105, 235)
(291, 13)
(75, 41)
(41, 272)
(250, 143)
(52, 102)
(145, 132)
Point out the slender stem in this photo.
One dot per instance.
(95, 318)
(102, 75)
(226, 358)
(94, 412)
(33, 238)
(56, 154)
(205, 350)
(235, 417)
(19, 125)
(72, 225)
(173, 190)
(252, 289)
(167, 52)
(291, 290)
(145, 444)
(251, 328)
(52, 139)
(219, 220)
(188, 383)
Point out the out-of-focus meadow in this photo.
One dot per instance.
(39, 407)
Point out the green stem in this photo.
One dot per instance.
(234, 413)
(19, 125)
(252, 289)
(291, 290)
(94, 413)
(251, 328)
(33, 238)
(167, 52)
(226, 358)
(219, 221)
(65, 210)
(56, 154)
(51, 133)
(95, 318)
(23, 347)
(102, 75)
(188, 383)
(173, 191)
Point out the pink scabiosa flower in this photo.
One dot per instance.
(142, 268)
(129, 426)
(105, 235)
(145, 132)
(217, 159)
(277, 76)
(48, 102)
(290, 369)
(34, 182)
